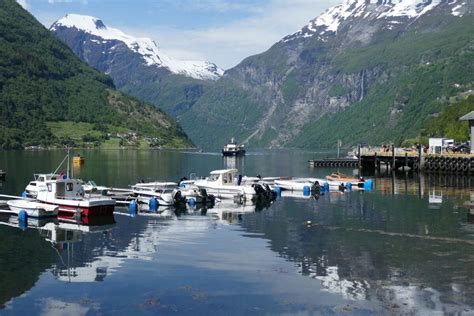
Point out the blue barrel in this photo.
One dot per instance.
(24, 194)
(349, 186)
(153, 204)
(306, 190)
(277, 191)
(192, 201)
(368, 185)
(133, 208)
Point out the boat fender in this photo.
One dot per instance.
(24, 194)
(153, 204)
(277, 191)
(23, 216)
(192, 202)
(349, 186)
(306, 190)
(133, 208)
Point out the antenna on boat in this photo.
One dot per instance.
(68, 167)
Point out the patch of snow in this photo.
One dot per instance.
(331, 19)
(146, 47)
(456, 10)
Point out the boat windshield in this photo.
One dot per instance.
(213, 177)
(92, 183)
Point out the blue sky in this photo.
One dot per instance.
(221, 31)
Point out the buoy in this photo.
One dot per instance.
(349, 186)
(326, 186)
(306, 190)
(368, 185)
(24, 194)
(277, 191)
(153, 204)
(23, 216)
(133, 208)
(192, 201)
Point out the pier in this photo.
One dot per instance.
(401, 159)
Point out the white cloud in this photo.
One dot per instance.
(214, 5)
(23, 3)
(228, 44)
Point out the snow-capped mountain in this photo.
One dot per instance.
(108, 39)
(363, 71)
(390, 12)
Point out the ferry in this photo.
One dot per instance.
(233, 149)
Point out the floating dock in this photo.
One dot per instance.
(399, 159)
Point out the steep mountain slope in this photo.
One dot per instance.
(364, 71)
(42, 80)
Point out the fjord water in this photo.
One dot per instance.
(407, 247)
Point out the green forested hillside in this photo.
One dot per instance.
(41, 80)
(447, 123)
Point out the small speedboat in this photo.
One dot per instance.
(298, 184)
(342, 178)
(225, 184)
(33, 208)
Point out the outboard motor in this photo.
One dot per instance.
(316, 188)
(179, 198)
(259, 190)
(342, 187)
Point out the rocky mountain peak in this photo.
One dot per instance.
(147, 49)
(387, 11)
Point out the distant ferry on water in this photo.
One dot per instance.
(233, 149)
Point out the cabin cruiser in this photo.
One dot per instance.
(233, 149)
(225, 184)
(69, 195)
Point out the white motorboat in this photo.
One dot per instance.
(163, 192)
(33, 208)
(92, 187)
(233, 149)
(69, 195)
(223, 184)
(297, 184)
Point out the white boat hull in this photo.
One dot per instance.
(295, 184)
(32, 208)
(230, 192)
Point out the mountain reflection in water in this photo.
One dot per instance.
(405, 247)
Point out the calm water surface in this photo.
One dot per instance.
(407, 247)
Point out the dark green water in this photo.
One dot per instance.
(405, 248)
